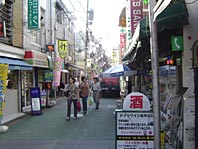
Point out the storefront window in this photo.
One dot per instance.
(12, 80)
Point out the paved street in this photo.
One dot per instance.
(50, 130)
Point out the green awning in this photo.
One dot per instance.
(132, 54)
(174, 16)
(133, 44)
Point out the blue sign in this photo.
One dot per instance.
(35, 98)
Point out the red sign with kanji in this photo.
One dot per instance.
(136, 102)
(122, 40)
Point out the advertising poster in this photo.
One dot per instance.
(3, 82)
(134, 130)
(57, 70)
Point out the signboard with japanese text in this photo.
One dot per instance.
(122, 40)
(35, 98)
(3, 83)
(62, 48)
(49, 75)
(33, 14)
(136, 101)
(128, 24)
(134, 130)
(136, 14)
(134, 124)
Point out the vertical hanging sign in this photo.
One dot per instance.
(33, 14)
(136, 14)
(128, 24)
(57, 71)
(62, 48)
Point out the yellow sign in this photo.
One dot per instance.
(3, 82)
(88, 62)
(62, 48)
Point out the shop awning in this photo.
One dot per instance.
(15, 64)
(36, 58)
(132, 45)
(174, 16)
(74, 66)
(160, 7)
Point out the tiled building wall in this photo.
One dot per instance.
(18, 23)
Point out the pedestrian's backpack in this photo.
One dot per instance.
(84, 90)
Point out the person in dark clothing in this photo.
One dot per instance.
(61, 88)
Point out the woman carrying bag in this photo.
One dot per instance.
(72, 97)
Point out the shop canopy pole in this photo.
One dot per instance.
(155, 74)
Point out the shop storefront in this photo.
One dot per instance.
(40, 63)
(14, 90)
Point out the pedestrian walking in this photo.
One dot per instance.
(84, 93)
(73, 96)
(96, 91)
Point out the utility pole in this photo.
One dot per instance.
(155, 75)
(86, 38)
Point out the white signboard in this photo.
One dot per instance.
(36, 104)
(135, 124)
(134, 130)
(136, 102)
(135, 144)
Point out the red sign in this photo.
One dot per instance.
(122, 40)
(136, 14)
(136, 102)
(1, 29)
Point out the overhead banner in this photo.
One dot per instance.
(3, 83)
(136, 14)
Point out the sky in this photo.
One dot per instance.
(106, 19)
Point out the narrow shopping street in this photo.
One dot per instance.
(50, 130)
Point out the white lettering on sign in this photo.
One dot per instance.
(135, 4)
